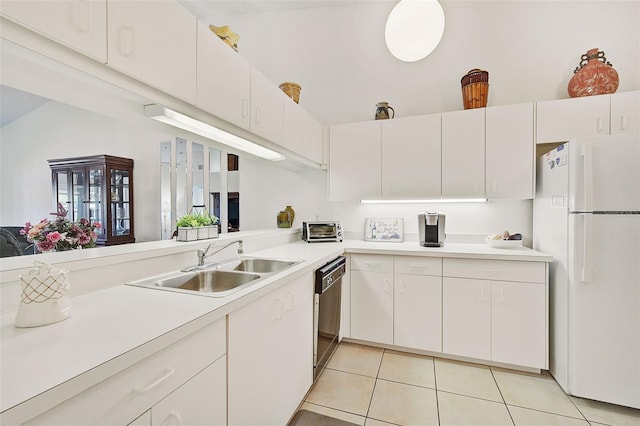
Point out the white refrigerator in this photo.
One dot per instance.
(587, 216)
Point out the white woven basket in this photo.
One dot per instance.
(44, 298)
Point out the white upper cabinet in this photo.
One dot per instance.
(566, 119)
(154, 42)
(411, 166)
(302, 133)
(463, 153)
(314, 140)
(625, 112)
(510, 149)
(354, 161)
(78, 24)
(267, 107)
(224, 79)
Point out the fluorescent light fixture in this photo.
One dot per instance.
(414, 28)
(169, 116)
(436, 200)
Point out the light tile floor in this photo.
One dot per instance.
(379, 387)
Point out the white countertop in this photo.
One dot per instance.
(119, 322)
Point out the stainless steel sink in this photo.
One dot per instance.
(259, 265)
(217, 280)
(214, 282)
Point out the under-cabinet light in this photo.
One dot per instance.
(173, 118)
(436, 200)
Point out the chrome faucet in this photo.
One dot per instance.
(202, 254)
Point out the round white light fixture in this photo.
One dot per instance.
(414, 29)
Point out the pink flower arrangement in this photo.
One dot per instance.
(61, 234)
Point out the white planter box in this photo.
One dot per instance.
(187, 233)
(213, 231)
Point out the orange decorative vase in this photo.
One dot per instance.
(593, 76)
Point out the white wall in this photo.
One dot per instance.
(56, 130)
(530, 49)
(266, 189)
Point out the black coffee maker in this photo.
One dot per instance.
(431, 228)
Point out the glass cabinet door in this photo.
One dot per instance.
(61, 185)
(78, 203)
(120, 203)
(95, 212)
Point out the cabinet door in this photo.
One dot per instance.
(625, 112)
(314, 140)
(154, 42)
(518, 324)
(417, 312)
(270, 357)
(267, 104)
(200, 401)
(463, 153)
(411, 166)
(80, 25)
(466, 317)
(354, 161)
(302, 133)
(372, 306)
(566, 119)
(295, 127)
(224, 79)
(510, 156)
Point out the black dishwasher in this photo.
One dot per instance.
(326, 312)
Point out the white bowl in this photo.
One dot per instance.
(504, 243)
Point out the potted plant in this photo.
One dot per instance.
(197, 226)
(207, 226)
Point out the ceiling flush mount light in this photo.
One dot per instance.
(435, 200)
(414, 29)
(181, 121)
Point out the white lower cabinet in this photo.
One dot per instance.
(466, 317)
(501, 319)
(200, 401)
(126, 396)
(270, 356)
(417, 318)
(372, 306)
(372, 298)
(493, 310)
(417, 302)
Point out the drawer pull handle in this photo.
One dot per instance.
(168, 372)
(288, 301)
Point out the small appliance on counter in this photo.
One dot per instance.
(315, 232)
(431, 229)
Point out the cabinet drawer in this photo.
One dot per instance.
(123, 397)
(501, 270)
(417, 265)
(371, 262)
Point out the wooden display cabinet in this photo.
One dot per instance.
(100, 189)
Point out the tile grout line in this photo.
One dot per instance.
(501, 395)
(375, 383)
(435, 384)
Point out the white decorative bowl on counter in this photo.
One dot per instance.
(504, 243)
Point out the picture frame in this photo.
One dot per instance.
(389, 230)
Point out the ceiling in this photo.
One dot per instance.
(206, 8)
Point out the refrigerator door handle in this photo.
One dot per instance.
(587, 174)
(587, 232)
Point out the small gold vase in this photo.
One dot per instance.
(284, 220)
(292, 214)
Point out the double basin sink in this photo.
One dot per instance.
(218, 280)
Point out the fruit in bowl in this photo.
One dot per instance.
(504, 240)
